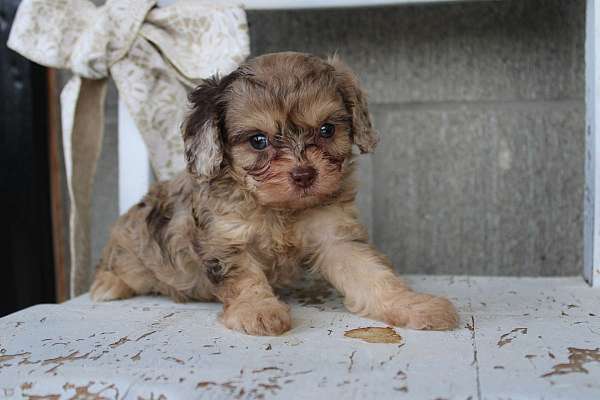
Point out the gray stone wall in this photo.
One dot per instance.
(481, 111)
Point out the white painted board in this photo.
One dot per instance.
(591, 259)
(152, 348)
(135, 172)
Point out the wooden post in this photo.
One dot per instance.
(56, 200)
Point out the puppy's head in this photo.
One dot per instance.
(282, 125)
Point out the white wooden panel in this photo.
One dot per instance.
(152, 348)
(592, 167)
(135, 173)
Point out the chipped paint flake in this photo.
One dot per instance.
(120, 342)
(577, 358)
(374, 334)
(8, 357)
(510, 336)
(174, 359)
(136, 357)
(144, 336)
(68, 358)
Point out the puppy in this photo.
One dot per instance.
(268, 193)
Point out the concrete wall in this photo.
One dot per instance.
(481, 112)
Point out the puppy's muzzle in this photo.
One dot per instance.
(303, 177)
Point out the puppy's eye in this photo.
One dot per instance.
(259, 141)
(327, 130)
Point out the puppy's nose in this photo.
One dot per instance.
(303, 176)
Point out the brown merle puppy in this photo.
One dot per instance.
(269, 193)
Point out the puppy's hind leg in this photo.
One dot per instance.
(108, 286)
(122, 273)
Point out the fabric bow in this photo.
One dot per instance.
(152, 54)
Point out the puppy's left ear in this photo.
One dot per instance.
(363, 133)
(202, 129)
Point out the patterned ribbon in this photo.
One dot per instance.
(152, 53)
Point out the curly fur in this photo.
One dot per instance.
(235, 225)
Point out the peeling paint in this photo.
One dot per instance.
(60, 361)
(177, 360)
(510, 336)
(471, 326)
(68, 358)
(136, 357)
(8, 357)
(255, 371)
(119, 342)
(374, 335)
(317, 293)
(144, 335)
(268, 381)
(577, 358)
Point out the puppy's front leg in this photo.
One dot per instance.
(366, 279)
(249, 304)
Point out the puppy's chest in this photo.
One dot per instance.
(270, 239)
(279, 254)
(275, 244)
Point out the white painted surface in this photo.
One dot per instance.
(152, 348)
(591, 260)
(135, 173)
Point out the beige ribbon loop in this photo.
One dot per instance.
(153, 55)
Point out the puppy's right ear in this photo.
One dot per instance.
(363, 133)
(202, 136)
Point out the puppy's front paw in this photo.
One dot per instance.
(421, 311)
(266, 317)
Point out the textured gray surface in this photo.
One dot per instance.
(480, 107)
(507, 50)
(493, 189)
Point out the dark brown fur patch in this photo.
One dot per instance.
(202, 217)
(160, 214)
(203, 129)
(215, 271)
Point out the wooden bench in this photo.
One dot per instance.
(528, 338)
